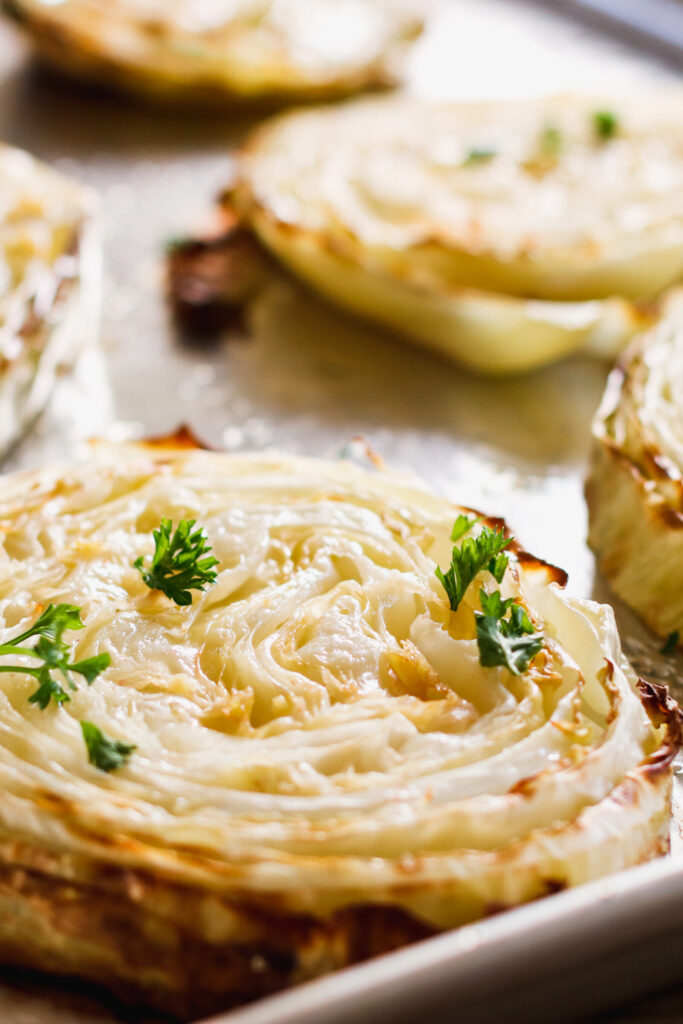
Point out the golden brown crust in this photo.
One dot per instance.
(188, 951)
(150, 941)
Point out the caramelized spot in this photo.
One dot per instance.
(662, 708)
(605, 678)
(527, 786)
(555, 574)
(183, 437)
(409, 672)
(212, 278)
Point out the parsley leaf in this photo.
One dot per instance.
(103, 752)
(90, 668)
(493, 604)
(671, 643)
(181, 561)
(467, 561)
(463, 524)
(54, 652)
(509, 642)
(551, 140)
(605, 124)
(52, 623)
(479, 156)
(49, 689)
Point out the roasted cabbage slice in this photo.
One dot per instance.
(635, 488)
(502, 234)
(175, 49)
(50, 269)
(322, 768)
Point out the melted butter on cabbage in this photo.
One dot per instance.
(318, 715)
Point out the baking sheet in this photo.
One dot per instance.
(304, 377)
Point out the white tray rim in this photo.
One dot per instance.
(624, 914)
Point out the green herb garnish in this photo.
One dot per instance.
(551, 140)
(507, 641)
(105, 753)
(180, 563)
(473, 555)
(478, 156)
(605, 124)
(463, 524)
(671, 642)
(53, 651)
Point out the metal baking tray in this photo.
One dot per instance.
(656, 24)
(307, 379)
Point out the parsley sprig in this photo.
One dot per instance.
(551, 141)
(479, 155)
(505, 634)
(181, 561)
(473, 555)
(605, 124)
(103, 752)
(53, 651)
